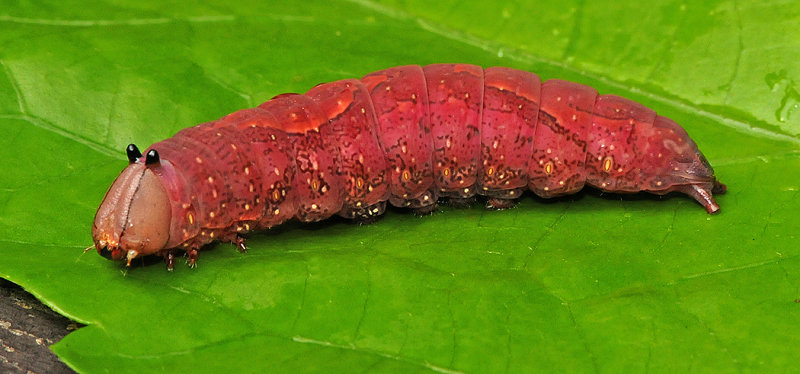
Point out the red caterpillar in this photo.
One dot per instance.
(408, 135)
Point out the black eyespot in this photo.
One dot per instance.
(133, 153)
(152, 157)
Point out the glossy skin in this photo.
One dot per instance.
(407, 135)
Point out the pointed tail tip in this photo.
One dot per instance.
(712, 208)
(702, 196)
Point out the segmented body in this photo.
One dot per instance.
(409, 135)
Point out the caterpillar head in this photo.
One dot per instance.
(134, 217)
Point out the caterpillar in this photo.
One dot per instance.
(408, 135)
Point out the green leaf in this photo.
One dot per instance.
(587, 283)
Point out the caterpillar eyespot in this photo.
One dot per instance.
(406, 135)
(152, 157)
(133, 153)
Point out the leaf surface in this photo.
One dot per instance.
(589, 283)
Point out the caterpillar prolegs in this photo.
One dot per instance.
(407, 135)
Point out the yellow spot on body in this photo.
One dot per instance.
(224, 205)
(185, 206)
(233, 146)
(191, 218)
(314, 184)
(214, 193)
(406, 175)
(490, 171)
(495, 144)
(246, 206)
(466, 190)
(426, 198)
(659, 183)
(277, 171)
(369, 188)
(574, 117)
(271, 136)
(447, 144)
(616, 110)
(211, 214)
(277, 211)
(466, 95)
(359, 182)
(293, 115)
(446, 172)
(560, 183)
(247, 226)
(558, 98)
(619, 170)
(246, 170)
(413, 96)
(603, 184)
(520, 106)
(363, 110)
(314, 206)
(198, 159)
(211, 234)
(549, 151)
(608, 163)
(548, 167)
(276, 195)
(252, 188)
(388, 88)
(547, 188)
(210, 179)
(404, 149)
(659, 155)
